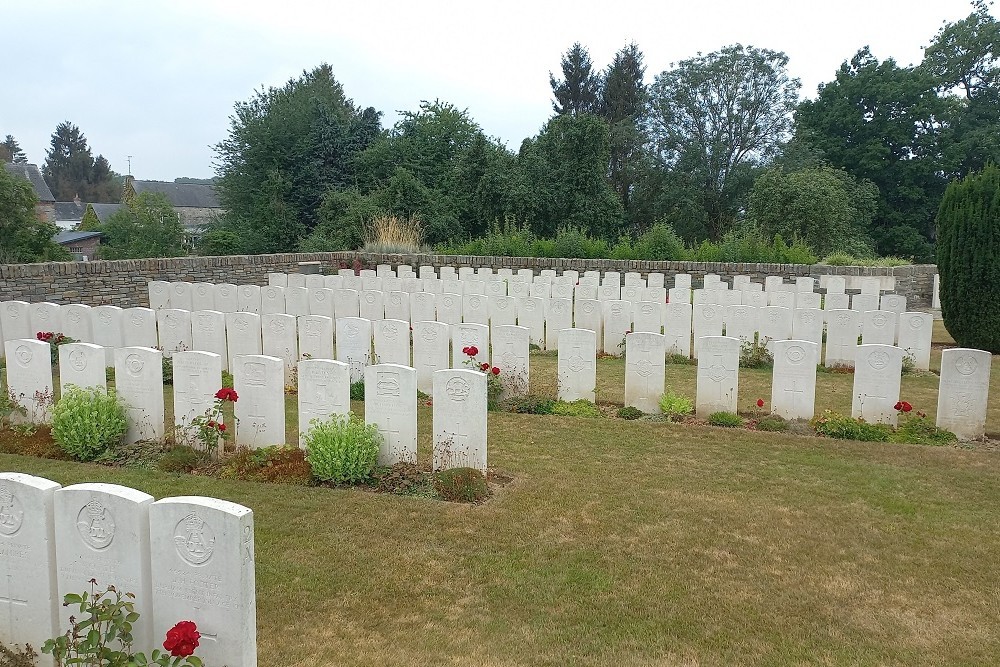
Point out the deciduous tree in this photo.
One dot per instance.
(149, 227)
(23, 236)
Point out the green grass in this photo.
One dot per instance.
(633, 543)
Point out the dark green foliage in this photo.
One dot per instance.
(358, 390)
(754, 354)
(287, 147)
(630, 412)
(725, 419)
(219, 241)
(529, 405)
(920, 430)
(578, 92)
(968, 259)
(71, 170)
(148, 227)
(181, 458)
(660, 243)
(168, 370)
(772, 423)
(624, 99)
(834, 425)
(11, 151)
(227, 379)
(23, 237)
(461, 485)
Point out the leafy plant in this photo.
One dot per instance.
(754, 354)
(725, 419)
(675, 407)
(342, 449)
(529, 405)
(54, 339)
(181, 458)
(168, 370)
(209, 429)
(630, 412)
(909, 364)
(835, 425)
(88, 422)
(920, 430)
(578, 408)
(404, 479)
(227, 379)
(772, 423)
(358, 390)
(461, 485)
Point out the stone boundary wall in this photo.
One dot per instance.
(123, 282)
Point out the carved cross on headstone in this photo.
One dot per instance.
(795, 391)
(458, 450)
(7, 599)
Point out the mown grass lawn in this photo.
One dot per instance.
(634, 543)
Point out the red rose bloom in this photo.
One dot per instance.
(898, 406)
(182, 639)
(465, 350)
(473, 351)
(906, 407)
(760, 402)
(484, 366)
(222, 427)
(225, 394)
(496, 371)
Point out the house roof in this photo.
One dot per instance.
(181, 195)
(65, 238)
(104, 211)
(30, 173)
(70, 211)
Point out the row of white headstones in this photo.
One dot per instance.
(459, 396)
(184, 558)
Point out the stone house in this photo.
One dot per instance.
(196, 204)
(82, 245)
(45, 209)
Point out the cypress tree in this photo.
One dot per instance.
(968, 256)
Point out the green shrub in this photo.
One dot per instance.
(623, 249)
(772, 423)
(844, 259)
(920, 430)
(683, 360)
(343, 449)
(574, 243)
(88, 422)
(578, 408)
(227, 380)
(181, 458)
(725, 419)
(358, 390)
(630, 412)
(676, 407)
(834, 425)
(661, 243)
(461, 485)
(168, 370)
(754, 354)
(967, 249)
(529, 405)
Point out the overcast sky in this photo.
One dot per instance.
(157, 80)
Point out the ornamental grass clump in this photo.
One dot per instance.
(342, 449)
(461, 485)
(87, 423)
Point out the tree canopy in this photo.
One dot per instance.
(10, 150)
(71, 170)
(147, 227)
(23, 236)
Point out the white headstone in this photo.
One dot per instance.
(449, 308)
(45, 316)
(371, 305)
(678, 295)
(103, 533)
(475, 309)
(617, 321)
(423, 307)
(82, 365)
(197, 378)
(159, 294)
(510, 355)
(558, 316)
(248, 299)
(139, 327)
(644, 370)
(29, 379)
(915, 332)
(864, 302)
(793, 384)
(836, 302)
(392, 342)
(109, 330)
(333, 282)
(936, 295)
(707, 321)
(324, 390)
(577, 365)
(878, 327)
(589, 314)
(871, 285)
(774, 324)
(226, 298)
(835, 285)
(391, 404)
(315, 337)
(139, 385)
(963, 392)
(202, 296)
(677, 328)
(804, 284)
(430, 352)
(397, 306)
(354, 345)
(741, 322)
(173, 329)
(279, 338)
(756, 299)
(202, 569)
(718, 375)
(295, 280)
(459, 419)
(469, 335)
(503, 310)
(242, 335)
(29, 601)
(208, 334)
(807, 324)
(321, 302)
(260, 410)
(272, 300)
(14, 320)
(181, 296)
(876, 383)
(277, 280)
(808, 300)
(842, 330)
(77, 322)
(531, 314)
(682, 280)
(297, 301)
(647, 316)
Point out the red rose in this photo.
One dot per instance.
(898, 406)
(473, 351)
(465, 350)
(182, 639)
(496, 371)
(225, 394)
(760, 402)
(484, 366)
(211, 423)
(906, 407)
(222, 428)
